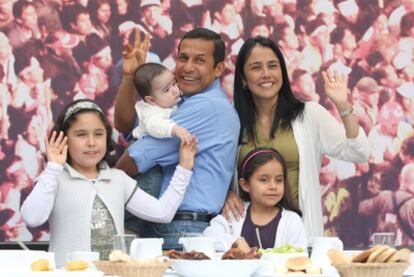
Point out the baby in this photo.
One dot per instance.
(160, 95)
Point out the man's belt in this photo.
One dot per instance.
(193, 216)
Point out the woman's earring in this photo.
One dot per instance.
(244, 86)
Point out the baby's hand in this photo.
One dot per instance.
(182, 133)
(57, 148)
(188, 152)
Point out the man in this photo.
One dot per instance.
(366, 97)
(205, 112)
(394, 210)
(26, 26)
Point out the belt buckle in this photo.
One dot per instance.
(194, 216)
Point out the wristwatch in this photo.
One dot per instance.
(346, 112)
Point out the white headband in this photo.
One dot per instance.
(83, 105)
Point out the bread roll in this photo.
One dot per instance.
(299, 263)
(402, 255)
(363, 256)
(40, 265)
(384, 256)
(374, 255)
(76, 265)
(337, 257)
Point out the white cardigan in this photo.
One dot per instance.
(289, 231)
(317, 133)
(66, 198)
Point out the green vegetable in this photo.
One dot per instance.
(282, 249)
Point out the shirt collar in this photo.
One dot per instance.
(212, 87)
(104, 172)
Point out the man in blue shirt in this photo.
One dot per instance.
(205, 112)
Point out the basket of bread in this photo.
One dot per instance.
(122, 265)
(380, 260)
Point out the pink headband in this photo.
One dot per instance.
(253, 155)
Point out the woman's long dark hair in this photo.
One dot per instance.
(288, 107)
(258, 157)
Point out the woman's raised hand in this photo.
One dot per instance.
(336, 87)
(136, 55)
(57, 148)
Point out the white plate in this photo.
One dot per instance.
(55, 273)
(293, 275)
(215, 268)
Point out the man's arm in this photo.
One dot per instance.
(127, 164)
(133, 57)
(125, 115)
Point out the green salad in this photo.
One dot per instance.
(282, 249)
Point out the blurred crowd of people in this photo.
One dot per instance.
(56, 51)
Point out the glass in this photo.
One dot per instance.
(123, 242)
(383, 239)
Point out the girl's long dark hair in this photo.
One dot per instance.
(288, 107)
(258, 157)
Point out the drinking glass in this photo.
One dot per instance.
(123, 242)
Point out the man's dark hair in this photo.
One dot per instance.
(144, 75)
(407, 147)
(19, 6)
(206, 34)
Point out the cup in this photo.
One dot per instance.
(199, 244)
(320, 247)
(383, 238)
(123, 242)
(146, 248)
(88, 256)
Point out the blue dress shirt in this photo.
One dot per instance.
(212, 118)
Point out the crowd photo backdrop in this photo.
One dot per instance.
(56, 51)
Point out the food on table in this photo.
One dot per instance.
(363, 256)
(119, 256)
(242, 245)
(282, 249)
(76, 265)
(403, 255)
(376, 254)
(298, 265)
(192, 255)
(240, 250)
(240, 254)
(41, 265)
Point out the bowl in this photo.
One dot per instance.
(371, 269)
(133, 268)
(215, 268)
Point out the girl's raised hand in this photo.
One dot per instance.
(188, 151)
(134, 56)
(335, 87)
(57, 148)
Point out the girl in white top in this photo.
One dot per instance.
(84, 199)
(269, 220)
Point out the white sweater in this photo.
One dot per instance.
(66, 198)
(153, 120)
(316, 134)
(289, 231)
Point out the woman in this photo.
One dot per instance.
(271, 116)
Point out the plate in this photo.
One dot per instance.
(215, 268)
(299, 275)
(55, 273)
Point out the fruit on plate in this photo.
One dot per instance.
(282, 249)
